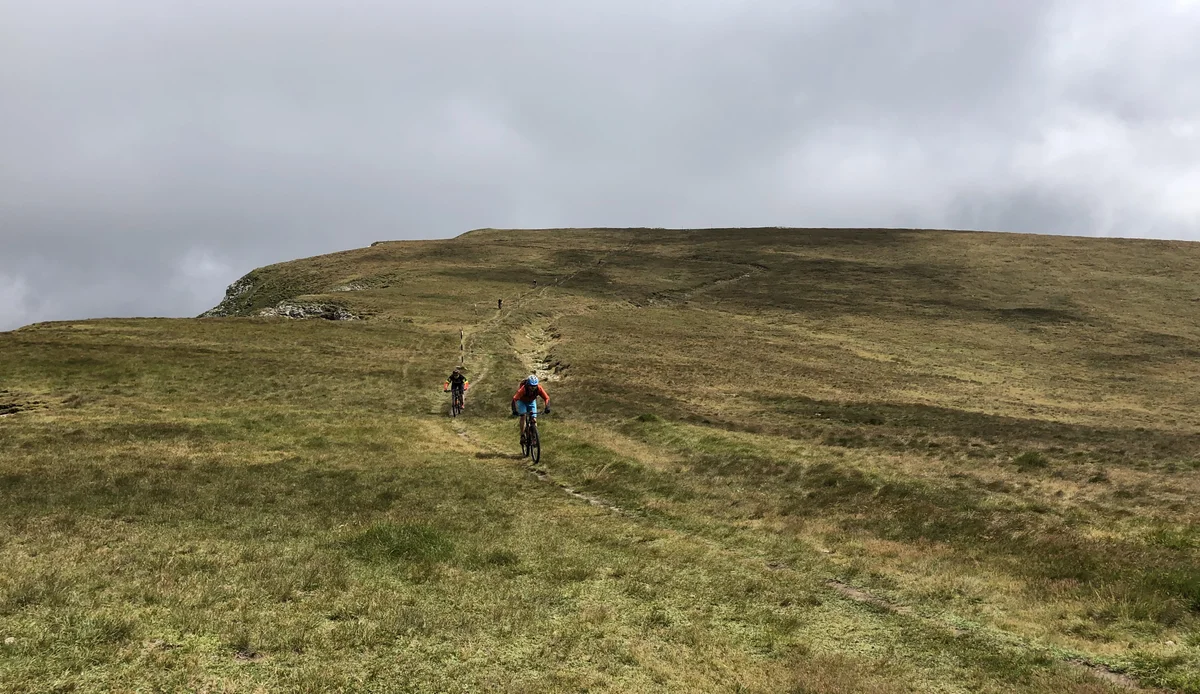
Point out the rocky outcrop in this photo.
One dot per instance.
(301, 310)
(230, 304)
(247, 296)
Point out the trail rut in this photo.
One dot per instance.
(488, 450)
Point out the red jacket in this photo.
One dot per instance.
(524, 396)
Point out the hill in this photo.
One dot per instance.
(778, 460)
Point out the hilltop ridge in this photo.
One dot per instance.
(949, 286)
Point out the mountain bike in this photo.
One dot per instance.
(531, 443)
(456, 402)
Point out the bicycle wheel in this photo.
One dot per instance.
(535, 445)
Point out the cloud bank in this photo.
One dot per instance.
(152, 152)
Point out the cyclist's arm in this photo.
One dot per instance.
(446, 386)
(545, 396)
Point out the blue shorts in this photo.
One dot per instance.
(527, 407)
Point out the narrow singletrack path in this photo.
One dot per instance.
(531, 343)
(487, 450)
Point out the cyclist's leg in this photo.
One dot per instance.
(523, 409)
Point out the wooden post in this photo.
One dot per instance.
(462, 347)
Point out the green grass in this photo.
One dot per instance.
(841, 461)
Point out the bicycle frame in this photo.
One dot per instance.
(530, 422)
(530, 439)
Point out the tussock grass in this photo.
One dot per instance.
(409, 543)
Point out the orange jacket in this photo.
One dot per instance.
(523, 396)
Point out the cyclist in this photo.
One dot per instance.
(459, 384)
(525, 400)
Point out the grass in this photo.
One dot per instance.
(415, 544)
(844, 461)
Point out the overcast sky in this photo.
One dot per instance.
(152, 151)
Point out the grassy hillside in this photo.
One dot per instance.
(779, 461)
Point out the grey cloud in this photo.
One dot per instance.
(150, 153)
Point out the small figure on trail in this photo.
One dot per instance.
(457, 383)
(499, 304)
(535, 283)
(525, 400)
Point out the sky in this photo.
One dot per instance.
(153, 151)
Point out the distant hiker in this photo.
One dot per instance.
(525, 400)
(535, 283)
(499, 304)
(457, 383)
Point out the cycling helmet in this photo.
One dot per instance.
(532, 380)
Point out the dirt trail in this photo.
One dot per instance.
(531, 344)
(522, 299)
(689, 295)
(683, 296)
(593, 500)
(1104, 673)
(859, 595)
(486, 450)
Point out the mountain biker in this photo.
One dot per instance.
(525, 400)
(458, 383)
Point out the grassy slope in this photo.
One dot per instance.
(844, 461)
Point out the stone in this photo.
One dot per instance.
(300, 311)
(234, 292)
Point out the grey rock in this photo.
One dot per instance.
(299, 310)
(228, 305)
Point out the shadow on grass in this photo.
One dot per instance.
(490, 455)
(901, 426)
